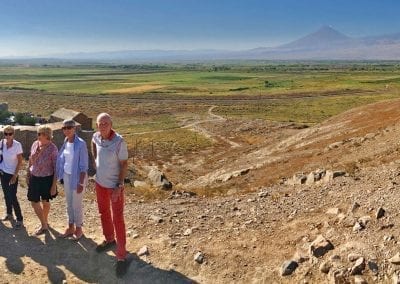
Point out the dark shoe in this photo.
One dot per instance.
(121, 268)
(18, 225)
(7, 217)
(105, 246)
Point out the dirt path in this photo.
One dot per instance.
(196, 126)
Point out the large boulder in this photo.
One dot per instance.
(158, 179)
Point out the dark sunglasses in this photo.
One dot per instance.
(67, 127)
(40, 133)
(8, 134)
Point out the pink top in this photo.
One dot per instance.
(43, 161)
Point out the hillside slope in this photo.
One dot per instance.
(360, 136)
(247, 236)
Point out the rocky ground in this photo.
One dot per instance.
(265, 233)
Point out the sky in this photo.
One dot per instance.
(43, 27)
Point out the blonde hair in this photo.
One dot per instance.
(46, 130)
(8, 129)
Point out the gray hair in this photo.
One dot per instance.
(104, 115)
(69, 122)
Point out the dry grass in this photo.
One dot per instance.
(135, 90)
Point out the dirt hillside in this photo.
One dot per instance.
(247, 235)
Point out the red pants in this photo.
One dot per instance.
(115, 222)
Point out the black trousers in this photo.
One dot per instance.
(10, 195)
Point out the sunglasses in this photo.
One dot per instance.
(40, 133)
(67, 127)
(8, 134)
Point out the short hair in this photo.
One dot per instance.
(9, 129)
(69, 122)
(105, 115)
(46, 130)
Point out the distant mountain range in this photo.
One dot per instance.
(329, 44)
(324, 44)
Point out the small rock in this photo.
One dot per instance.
(364, 220)
(288, 267)
(333, 211)
(359, 280)
(380, 213)
(325, 267)
(335, 257)
(353, 257)
(358, 266)
(143, 251)
(358, 227)
(395, 259)
(199, 257)
(300, 257)
(373, 266)
(138, 183)
(320, 246)
(188, 232)
(388, 238)
(337, 276)
(156, 218)
(386, 226)
(355, 206)
(263, 194)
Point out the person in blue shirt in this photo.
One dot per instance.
(72, 167)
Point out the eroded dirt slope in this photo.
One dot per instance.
(246, 236)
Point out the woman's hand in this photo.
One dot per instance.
(13, 179)
(27, 178)
(116, 193)
(53, 189)
(79, 189)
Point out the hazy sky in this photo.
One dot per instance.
(37, 27)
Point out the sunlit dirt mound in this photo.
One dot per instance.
(365, 135)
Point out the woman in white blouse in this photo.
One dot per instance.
(72, 167)
(10, 163)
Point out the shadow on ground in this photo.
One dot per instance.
(79, 258)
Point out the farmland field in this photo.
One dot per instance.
(151, 103)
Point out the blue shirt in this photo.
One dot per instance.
(80, 161)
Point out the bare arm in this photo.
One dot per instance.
(118, 191)
(123, 170)
(14, 177)
(94, 150)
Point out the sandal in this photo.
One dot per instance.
(66, 234)
(77, 237)
(41, 231)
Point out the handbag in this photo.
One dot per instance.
(1, 151)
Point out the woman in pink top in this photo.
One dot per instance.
(41, 176)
